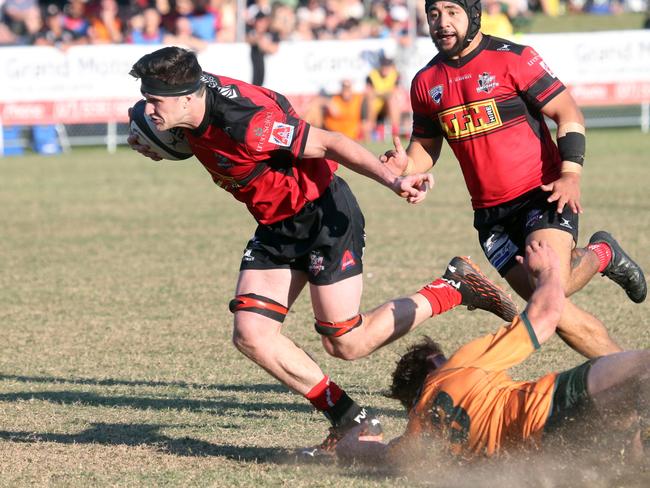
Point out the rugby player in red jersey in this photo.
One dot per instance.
(310, 229)
(488, 98)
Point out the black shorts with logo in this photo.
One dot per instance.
(325, 239)
(503, 229)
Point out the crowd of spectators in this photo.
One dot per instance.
(195, 23)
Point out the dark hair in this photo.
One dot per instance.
(411, 371)
(173, 66)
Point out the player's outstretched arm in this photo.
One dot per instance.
(571, 144)
(335, 146)
(545, 306)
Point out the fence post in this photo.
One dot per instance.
(645, 117)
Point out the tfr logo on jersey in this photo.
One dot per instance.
(316, 263)
(468, 120)
(436, 93)
(281, 134)
(347, 261)
(486, 82)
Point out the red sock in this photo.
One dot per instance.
(603, 252)
(324, 395)
(441, 295)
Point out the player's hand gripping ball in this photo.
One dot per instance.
(168, 144)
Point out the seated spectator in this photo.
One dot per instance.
(74, 19)
(283, 20)
(494, 21)
(55, 33)
(183, 36)
(343, 112)
(106, 24)
(225, 13)
(382, 99)
(22, 18)
(146, 28)
(203, 21)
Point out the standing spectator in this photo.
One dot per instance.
(343, 112)
(263, 41)
(283, 20)
(382, 98)
(106, 24)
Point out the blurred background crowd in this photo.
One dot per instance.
(371, 112)
(195, 23)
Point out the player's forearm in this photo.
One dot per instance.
(357, 158)
(545, 306)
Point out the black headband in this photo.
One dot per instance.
(154, 86)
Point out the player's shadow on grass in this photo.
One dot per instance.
(217, 406)
(149, 435)
(256, 388)
(216, 388)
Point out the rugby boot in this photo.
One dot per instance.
(621, 269)
(476, 289)
(326, 450)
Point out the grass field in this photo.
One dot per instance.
(116, 367)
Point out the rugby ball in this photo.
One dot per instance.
(168, 144)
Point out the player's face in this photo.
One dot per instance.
(448, 24)
(165, 112)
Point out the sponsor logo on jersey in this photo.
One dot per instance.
(486, 82)
(547, 69)
(315, 263)
(504, 47)
(228, 91)
(347, 261)
(468, 120)
(467, 76)
(436, 93)
(281, 134)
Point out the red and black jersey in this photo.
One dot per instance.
(488, 107)
(251, 141)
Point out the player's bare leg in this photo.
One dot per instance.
(388, 322)
(579, 329)
(260, 338)
(619, 385)
(461, 284)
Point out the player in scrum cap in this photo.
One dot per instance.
(488, 97)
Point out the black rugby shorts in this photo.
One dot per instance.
(503, 229)
(325, 239)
